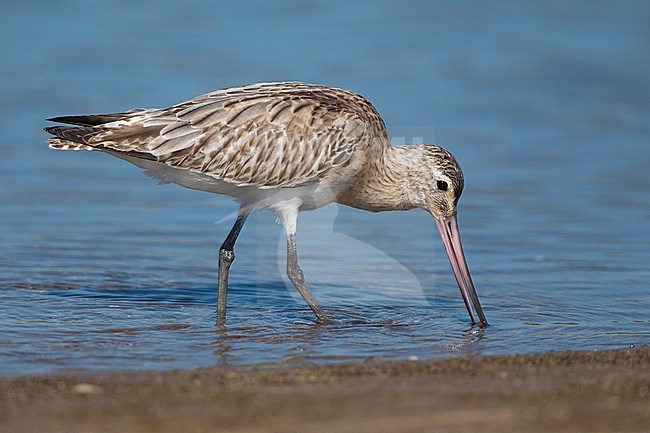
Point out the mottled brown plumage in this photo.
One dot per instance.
(264, 135)
(288, 147)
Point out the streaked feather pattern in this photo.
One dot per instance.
(266, 135)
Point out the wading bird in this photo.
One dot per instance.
(286, 147)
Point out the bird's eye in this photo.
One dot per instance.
(442, 185)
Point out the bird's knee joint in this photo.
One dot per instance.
(227, 255)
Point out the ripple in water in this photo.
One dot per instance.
(101, 268)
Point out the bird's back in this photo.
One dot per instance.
(268, 135)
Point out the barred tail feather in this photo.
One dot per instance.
(59, 144)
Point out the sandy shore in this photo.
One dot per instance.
(604, 391)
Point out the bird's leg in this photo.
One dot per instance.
(226, 257)
(288, 212)
(297, 277)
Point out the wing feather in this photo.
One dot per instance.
(266, 135)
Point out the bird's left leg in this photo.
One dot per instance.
(226, 257)
(289, 219)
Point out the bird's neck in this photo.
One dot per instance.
(385, 182)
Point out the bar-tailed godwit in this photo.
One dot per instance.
(286, 147)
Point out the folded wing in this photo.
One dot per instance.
(267, 135)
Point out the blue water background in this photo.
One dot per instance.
(545, 104)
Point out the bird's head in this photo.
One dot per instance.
(445, 181)
(440, 186)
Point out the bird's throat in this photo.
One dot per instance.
(383, 184)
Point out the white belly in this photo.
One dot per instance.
(311, 196)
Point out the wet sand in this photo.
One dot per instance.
(603, 391)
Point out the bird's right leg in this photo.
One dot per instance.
(289, 219)
(297, 277)
(226, 257)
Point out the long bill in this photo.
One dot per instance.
(448, 228)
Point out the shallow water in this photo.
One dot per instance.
(545, 106)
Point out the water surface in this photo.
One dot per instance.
(545, 106)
